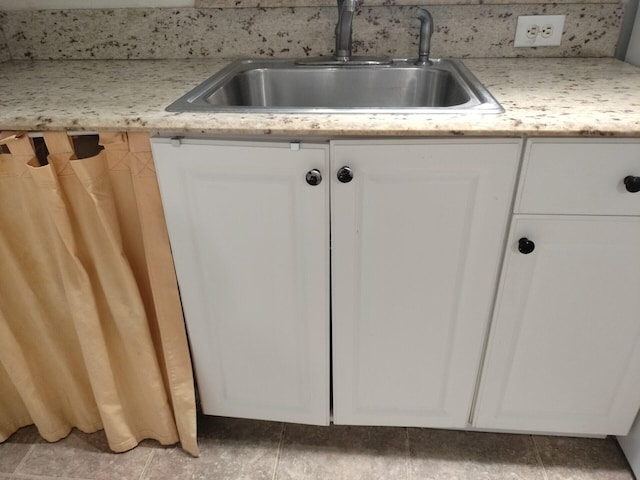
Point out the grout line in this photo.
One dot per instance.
(539, 457)
(24, 458)
(275, 465)
(408, 448)
(147, 463)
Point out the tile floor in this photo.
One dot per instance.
(233, 449)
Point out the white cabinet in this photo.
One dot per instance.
(630, 445)
(417, 239)
(564, 350)
(392, 263)
(250, 239)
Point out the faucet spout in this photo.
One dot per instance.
(426, 30)
(346, 10)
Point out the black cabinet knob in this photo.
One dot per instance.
(314, 177)
(345, 174)
(632, 184)
(526, 246)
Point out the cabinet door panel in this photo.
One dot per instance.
(416, 242)
(564, 351)
(250, 242)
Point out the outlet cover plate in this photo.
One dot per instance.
(556, 22)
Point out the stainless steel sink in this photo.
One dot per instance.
(289, 86)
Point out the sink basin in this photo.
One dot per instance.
(286, 86)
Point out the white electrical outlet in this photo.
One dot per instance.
(546, 31)
(539, 30)
(532, 31)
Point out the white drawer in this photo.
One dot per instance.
(579, 176)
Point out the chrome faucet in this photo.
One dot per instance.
(346, 9)
(426, 30)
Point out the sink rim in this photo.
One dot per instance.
(480, 99)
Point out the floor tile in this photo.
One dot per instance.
(85, 456)
(230, 449)
(340, 452)
(235, 449)
(582, 459)
(13, 450)
(453, 455)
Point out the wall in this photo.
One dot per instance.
(462, 30)
(633, 56)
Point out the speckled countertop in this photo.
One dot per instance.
(588, 97)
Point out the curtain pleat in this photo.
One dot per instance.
(91, 329)
(161, 277)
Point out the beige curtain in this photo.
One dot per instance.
(91, 329)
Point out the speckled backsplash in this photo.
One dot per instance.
(369, 3)
(4, 48)
(591, 30)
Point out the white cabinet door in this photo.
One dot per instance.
(417, 238)
(250, 238)
(564, 350)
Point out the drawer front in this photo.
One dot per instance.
(579, 176)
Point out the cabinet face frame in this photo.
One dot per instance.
(277, 235)
(478, 176)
